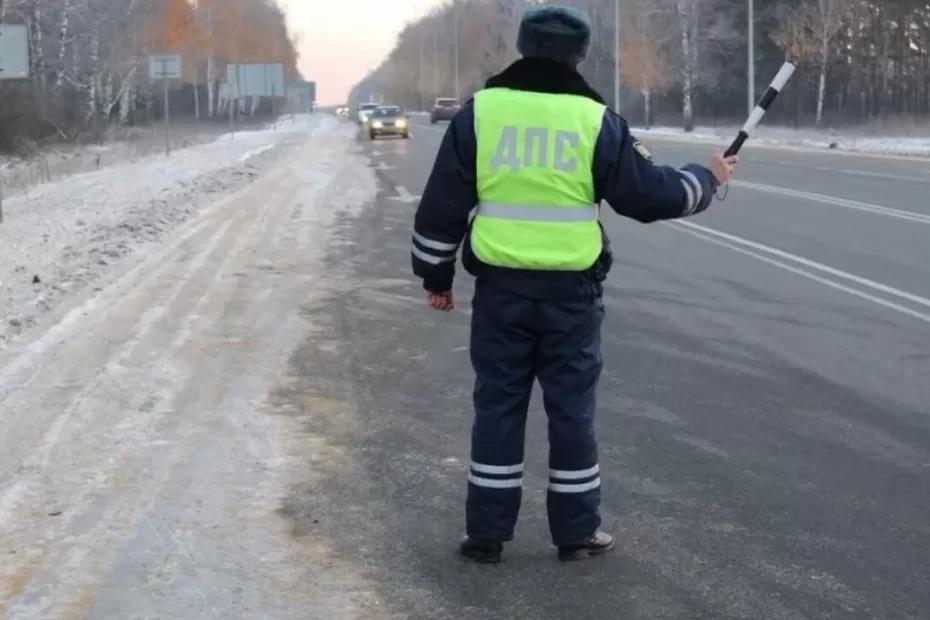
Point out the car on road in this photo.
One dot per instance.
(388, 120)
(444, 109)
(365, 111)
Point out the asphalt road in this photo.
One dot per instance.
(764, 417)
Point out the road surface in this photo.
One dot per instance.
(264, 420)
(764, 415)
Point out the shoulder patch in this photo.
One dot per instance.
(644, 152)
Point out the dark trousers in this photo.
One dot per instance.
(515, 340)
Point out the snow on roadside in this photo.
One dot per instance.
(63, 236)
(803, 138)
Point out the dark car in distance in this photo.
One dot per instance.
(388, 120)
(444, 109)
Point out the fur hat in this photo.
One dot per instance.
(556, 32)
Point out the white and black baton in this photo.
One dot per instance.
(787, 70)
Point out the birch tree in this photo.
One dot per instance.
(826, 18)
(688, 29)
(644, 59)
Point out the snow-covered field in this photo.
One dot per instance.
(60, 237)
(864, 142)
(153, 428)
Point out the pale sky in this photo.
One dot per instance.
(341, 40)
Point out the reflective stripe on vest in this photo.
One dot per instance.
(538, 213)
(535, 182)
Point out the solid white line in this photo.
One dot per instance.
(428, 128)
(917, 299)
(694, 230)
(885, 175)
(910, 216)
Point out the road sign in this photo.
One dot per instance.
(14, 62)
(165, 67)
(255, 79)
(14, 52)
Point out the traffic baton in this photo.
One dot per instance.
(787, 70)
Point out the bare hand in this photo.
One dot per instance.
(722, 167)
(443, 302)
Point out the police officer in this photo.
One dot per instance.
(518, 179)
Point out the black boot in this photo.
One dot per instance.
(599, 544)
(483, 553)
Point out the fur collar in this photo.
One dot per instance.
(544, 76)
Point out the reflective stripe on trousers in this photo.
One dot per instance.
(516, 341)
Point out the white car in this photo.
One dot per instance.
(365, 111)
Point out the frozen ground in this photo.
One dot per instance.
(862, 141)
(36, 165)
(60, 237)
(147, 444)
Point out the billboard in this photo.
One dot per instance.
(14, 52)
(302, 92)
(254, 79)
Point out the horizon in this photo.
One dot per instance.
(338, 48)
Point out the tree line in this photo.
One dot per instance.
(89, 60)
(686, 61)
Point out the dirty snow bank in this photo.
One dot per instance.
(62, 236)
(804, 138)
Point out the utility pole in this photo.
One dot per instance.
(420, 86)
(167, 114)
(455, 26)
(436, 92)
(752, 56)
(617, 56)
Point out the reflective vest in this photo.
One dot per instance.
(536, 205)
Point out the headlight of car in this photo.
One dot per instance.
(401, 122)
(376, 124)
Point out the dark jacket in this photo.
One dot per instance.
(624, 176)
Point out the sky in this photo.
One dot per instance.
(340, 41)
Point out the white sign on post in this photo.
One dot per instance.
(14, 62)
(14, 52)
(165, 67)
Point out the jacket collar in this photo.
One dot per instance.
(544, 76)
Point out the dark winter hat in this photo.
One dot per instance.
(557, 32)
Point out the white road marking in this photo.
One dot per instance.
(403, 195)
(428, 128)
(885, 175)
(759, 251)
(838, 202)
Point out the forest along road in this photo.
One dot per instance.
(149, 436)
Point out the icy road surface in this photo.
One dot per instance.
(142, 460)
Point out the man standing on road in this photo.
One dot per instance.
(533, 155)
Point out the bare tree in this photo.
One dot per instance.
(644, 59)
(688, 31)
(826, 18)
